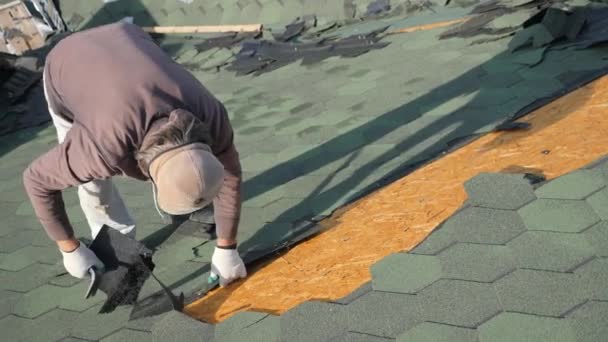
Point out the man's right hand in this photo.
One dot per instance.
(78, 259)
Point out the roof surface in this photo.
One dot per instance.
(311, 139)
(517, 263)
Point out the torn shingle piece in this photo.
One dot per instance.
(556, 22)
(524, 3)
(377, 7)
(158, 303)
(259, 56)
(318, 30)
(536, 36)
(291, 31)
(488, 6)
(537, 18)
(530, 57)
(226, 41)
(512, 126)
(128, 264)
(575, 25)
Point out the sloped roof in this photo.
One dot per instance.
(311, 139)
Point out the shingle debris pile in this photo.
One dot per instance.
(18, 80)
(258, 55)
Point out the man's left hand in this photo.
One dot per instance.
(227, 265)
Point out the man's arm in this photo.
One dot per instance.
(74, 162)
(227, 205)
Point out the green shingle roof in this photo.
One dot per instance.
(536, 286)
(315, 137)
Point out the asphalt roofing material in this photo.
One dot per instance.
(475, 278)
(306, 150)
(563, 136)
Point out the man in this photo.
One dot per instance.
(122, 107)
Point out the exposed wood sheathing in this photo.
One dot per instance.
(565, 135)
(430, 26)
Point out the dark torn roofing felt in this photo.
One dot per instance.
(311, 137)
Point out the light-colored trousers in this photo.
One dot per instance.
(99, 199)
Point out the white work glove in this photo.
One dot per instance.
(227, 265)
(79, 261)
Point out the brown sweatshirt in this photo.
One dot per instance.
(112, 82)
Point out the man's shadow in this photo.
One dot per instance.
(486, 109)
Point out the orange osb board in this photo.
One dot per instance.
(430, 26)
(396, 218)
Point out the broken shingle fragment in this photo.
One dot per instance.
(291, 31)
(377, 7)
(530, 57)
(576, 23)
(128, 264)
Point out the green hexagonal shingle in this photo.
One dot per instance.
(12, 242)
(40, 300)
(575, 185)
(178, 324)
(599, 203)
(8, 300)
(475, 302)
(392, 313)
(26, 279)
(75, 302)
(598, 238)
(474, 225)
(29, 255)
(405, 273)
(551, 251)
(500, 191)
(475, 262)
(510, 326)
(570, 216)
(90, 325)
(13, 328)
(231, 327)
(316, 321)
(268, 329)
(602, 166)
(128, 335)
(594, 277)
(590, 321)
(434, 332)
(51, 326)
(358, 337)
(540, 292)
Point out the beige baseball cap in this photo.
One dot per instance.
(186, 178)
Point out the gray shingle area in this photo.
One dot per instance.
(482, 188)
(489, 276)
(575, 185)
(176, 326)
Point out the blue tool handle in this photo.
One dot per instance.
(212, 278)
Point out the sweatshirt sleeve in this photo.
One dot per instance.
(227, 205)
(75, 161)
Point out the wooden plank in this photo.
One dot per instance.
(430, 26)
(204, 29)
